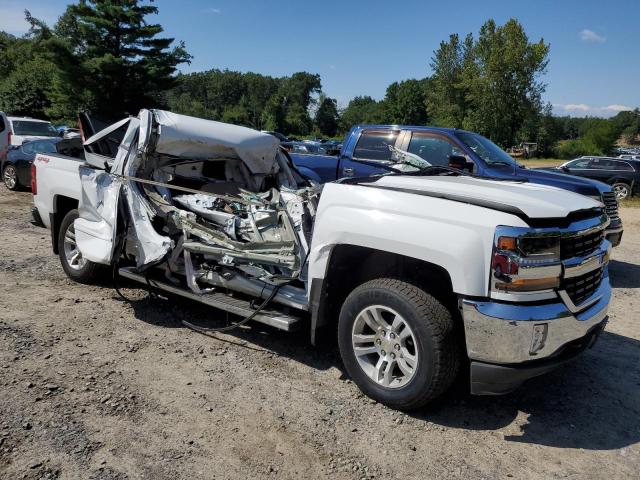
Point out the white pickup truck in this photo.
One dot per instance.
(418, 273)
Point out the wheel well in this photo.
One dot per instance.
(61, 206)
(350, 266)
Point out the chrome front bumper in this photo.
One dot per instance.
(510, 334)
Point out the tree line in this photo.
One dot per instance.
(109, 58)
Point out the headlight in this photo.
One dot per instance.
(525, 262)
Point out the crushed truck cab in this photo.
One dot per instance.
(417, 272)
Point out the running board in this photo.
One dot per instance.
(225, 302)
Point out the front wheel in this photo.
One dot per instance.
(10, 177)
(77, 268)
(398, 343)
(622, 190)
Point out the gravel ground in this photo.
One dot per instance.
(92, 386)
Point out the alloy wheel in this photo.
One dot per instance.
(71, 252)
(10, 177)
(621, 191)
(384, 346)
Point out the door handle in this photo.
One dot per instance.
(348, 172)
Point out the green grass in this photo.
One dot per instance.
(540, 162)
(633, 202)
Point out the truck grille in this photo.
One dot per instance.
(580, 245)
(582, 287)
(610, 205)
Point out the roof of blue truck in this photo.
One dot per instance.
(408, 127)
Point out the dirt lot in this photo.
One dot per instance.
(92, 386)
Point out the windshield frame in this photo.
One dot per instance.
(503, 160)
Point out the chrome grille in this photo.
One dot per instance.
(582, 287)
(610, 205)
(580, 245)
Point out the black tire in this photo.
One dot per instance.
(89, 271)
(622, 189)
(10, 177)
(436, 345)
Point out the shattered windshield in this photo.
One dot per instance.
(486, 149)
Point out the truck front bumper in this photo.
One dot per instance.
(510, 343)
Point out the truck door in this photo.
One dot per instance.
(105, 154)
(372, 147)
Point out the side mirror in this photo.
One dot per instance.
(460, 163)
(564, 169)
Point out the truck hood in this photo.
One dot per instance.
(527, 199)
(557, 178)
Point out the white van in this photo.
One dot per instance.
(15, 130)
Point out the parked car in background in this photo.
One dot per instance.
(373, 149)
(623, 175)
(628, 156)
(16, 166)
(15, 130)
(68, 132)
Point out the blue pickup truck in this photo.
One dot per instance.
(373, 149)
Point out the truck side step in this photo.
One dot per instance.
(237, 306)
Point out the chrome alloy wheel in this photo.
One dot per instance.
(384, 346)
(71, 252)
(621, 191)
(10, 177)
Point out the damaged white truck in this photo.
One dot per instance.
(421, 273)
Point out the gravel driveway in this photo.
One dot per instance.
(92, 386)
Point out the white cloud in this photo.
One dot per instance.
(584, 109)
(574, 106)
(616, 107)
(212, 10)
(591, 36)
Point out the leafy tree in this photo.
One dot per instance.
(273, 115)
(327, 118)
(111, 59)
(361, 110)
(405, 103)
(25, 72)
(490, 85)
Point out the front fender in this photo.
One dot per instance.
(455, 236)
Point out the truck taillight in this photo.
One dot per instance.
(81, 129)
(34, 184)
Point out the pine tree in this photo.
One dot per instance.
(111, 60)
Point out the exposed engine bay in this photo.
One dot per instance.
(228, 236)
(214, 207)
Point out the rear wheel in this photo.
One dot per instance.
(398, 343)
(622, 190)
(10, 177)
(77, 268)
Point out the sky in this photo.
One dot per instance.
(359, 47)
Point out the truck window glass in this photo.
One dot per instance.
(26, 127)
(2, 125)
(580, 163)
(44, 147)
(434, 149)
(374, 145)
